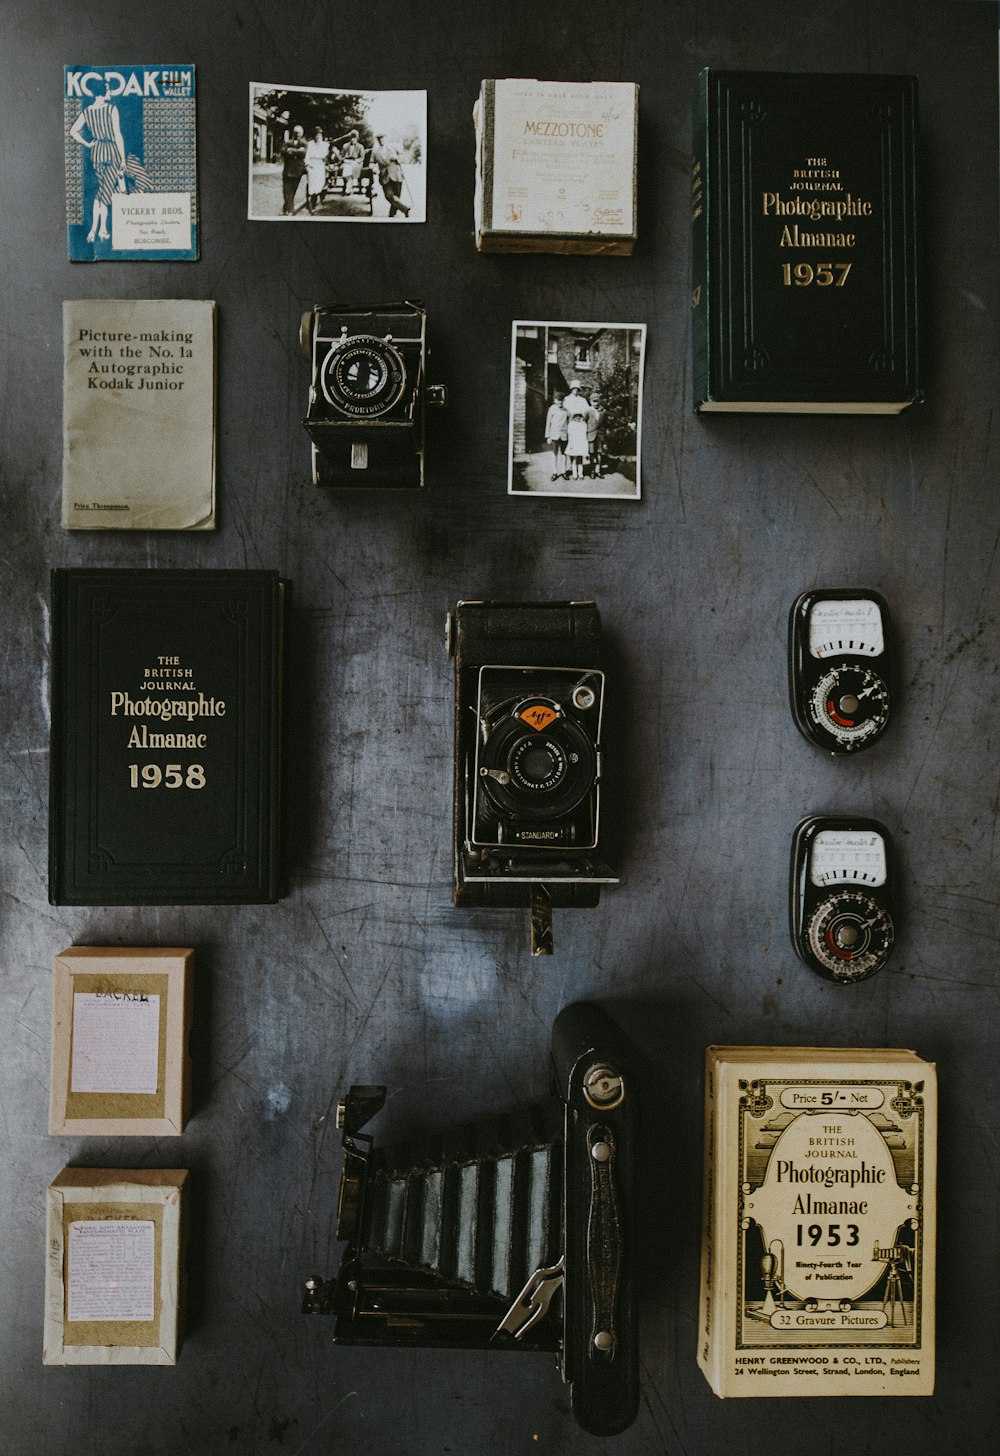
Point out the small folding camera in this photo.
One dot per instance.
(528, 711)
(516, 1233)
(368, 395)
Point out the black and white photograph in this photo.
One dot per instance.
(576, 409)
(324, 155)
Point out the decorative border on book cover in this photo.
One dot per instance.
(830, 1241)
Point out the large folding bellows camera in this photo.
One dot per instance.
(529, 705)
(368, 393)
(511, 1233)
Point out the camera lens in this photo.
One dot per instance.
(536, 764)
(363, 376)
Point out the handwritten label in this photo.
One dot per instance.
(116, 1042)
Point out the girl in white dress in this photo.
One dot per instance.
(317, 151)
(577, 449)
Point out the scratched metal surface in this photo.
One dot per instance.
(365, 972)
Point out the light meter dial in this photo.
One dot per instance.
(851, 704)
(850, 935)
(840, 900)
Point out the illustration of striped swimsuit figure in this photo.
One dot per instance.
(136, 175)
(101, 119)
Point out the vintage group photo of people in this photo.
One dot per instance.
(325, 155)
(575, 409)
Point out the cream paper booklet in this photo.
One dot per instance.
(818, 1245)
(139, 415)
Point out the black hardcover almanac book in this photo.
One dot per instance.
(804, 256)
(166, 706)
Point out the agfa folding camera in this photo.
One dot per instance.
(528, 711)
(368, 394)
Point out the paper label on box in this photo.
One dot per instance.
(111, 1270)
(116, 1042)
(563, 157)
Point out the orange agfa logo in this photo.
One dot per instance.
(538, 716)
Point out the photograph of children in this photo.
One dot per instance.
(576, 409)
(320, 155)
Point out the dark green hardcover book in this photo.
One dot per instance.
(166, 709)
(804, 248)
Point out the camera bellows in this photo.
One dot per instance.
(482, 1210)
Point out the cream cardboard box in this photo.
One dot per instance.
(121, 1019)
(112, 1278)
(556, 166)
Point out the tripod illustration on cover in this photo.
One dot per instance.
(898, 1259)
(772, 1268)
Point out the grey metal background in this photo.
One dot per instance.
(365, 972)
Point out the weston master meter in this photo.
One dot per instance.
(840, 897)
(840, 668)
